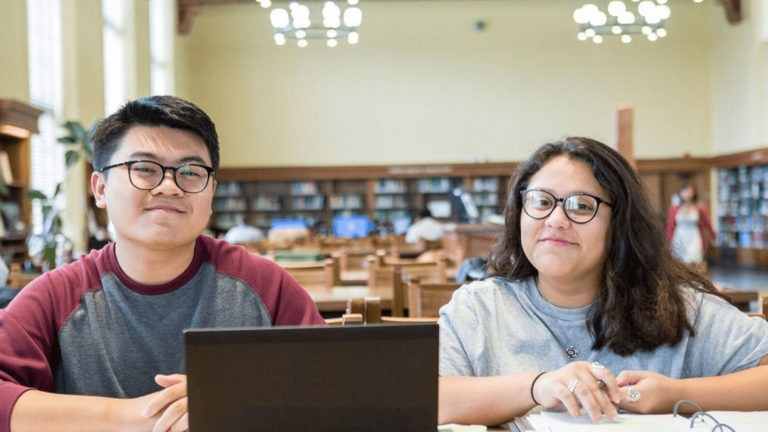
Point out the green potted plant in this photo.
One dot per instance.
(51, 242)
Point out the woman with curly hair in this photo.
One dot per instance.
(586, 308)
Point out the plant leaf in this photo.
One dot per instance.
(36, 194)
(71, 157)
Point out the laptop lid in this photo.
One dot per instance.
(345, 378)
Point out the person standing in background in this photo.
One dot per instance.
(689, 228)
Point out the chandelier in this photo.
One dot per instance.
(295, 22)
(623, 18)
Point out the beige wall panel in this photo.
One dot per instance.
(14, 72)
(423, 86)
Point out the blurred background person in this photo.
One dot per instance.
(241, 233)
(689, 228)
(424, 227)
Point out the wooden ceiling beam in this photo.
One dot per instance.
(187, 9)
(732, 10)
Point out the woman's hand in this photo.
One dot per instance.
(646, 392)
(169, 405)
(577, 385)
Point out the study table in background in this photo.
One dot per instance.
(334, 300)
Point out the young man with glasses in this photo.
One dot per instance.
(97, 344)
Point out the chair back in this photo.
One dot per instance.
(312, 274)
(426, 298)
(744, 300)
(384, 272)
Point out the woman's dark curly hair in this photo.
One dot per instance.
(641, 304)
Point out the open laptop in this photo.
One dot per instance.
(345, 378)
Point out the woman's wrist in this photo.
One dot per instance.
(533, 383)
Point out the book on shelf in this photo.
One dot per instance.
(5, 168)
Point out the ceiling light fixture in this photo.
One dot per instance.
(623, 19)
(295, 22)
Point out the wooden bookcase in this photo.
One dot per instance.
(742, 195)
(18, 122)
(383, 193)
(317, 194)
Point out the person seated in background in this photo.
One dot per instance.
(587, 310)
(243, 233)
(424, 227)
(97, 345)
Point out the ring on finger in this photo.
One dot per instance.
(572, 385)
(596, 368)
(632, 395)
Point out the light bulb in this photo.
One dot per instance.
(279, 18)
(301, 43)
(353, 38)
(652, 37)
(616, 7)
(265, 3)
(645, 7)
(599, 19)
(331, 10)
(352, 2)
(581, 36)
(580, 16)
(279, 39)
(331, 43)
(590, 32)
(626, 38)
(597, 39)
(664, 11)
(330, 34)
(661, 32)
(626, 18)
(616, 29)
(353, 17)
(301, 34)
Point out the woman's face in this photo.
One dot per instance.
(686, 194)
(557, 247)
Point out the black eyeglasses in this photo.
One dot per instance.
(579, 208)
(147, 175)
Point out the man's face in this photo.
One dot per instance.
(165, 217)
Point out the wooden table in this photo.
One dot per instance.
(335, 299)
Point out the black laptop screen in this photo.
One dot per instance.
(371, 378)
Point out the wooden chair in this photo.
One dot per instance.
(743, 300)
(312, 274)
(388, 272)
(365, 311)
(426, 298)
(17, 278)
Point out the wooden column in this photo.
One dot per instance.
(625, 140)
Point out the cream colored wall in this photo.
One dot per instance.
(423, 86)
(740, 81)
(14, 72)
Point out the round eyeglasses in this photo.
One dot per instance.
(579, 207)
(147, 175)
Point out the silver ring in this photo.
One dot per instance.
(596, 368)
(572, 385)
(632, 395)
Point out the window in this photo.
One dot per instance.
(45, 88)
(161, 28)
